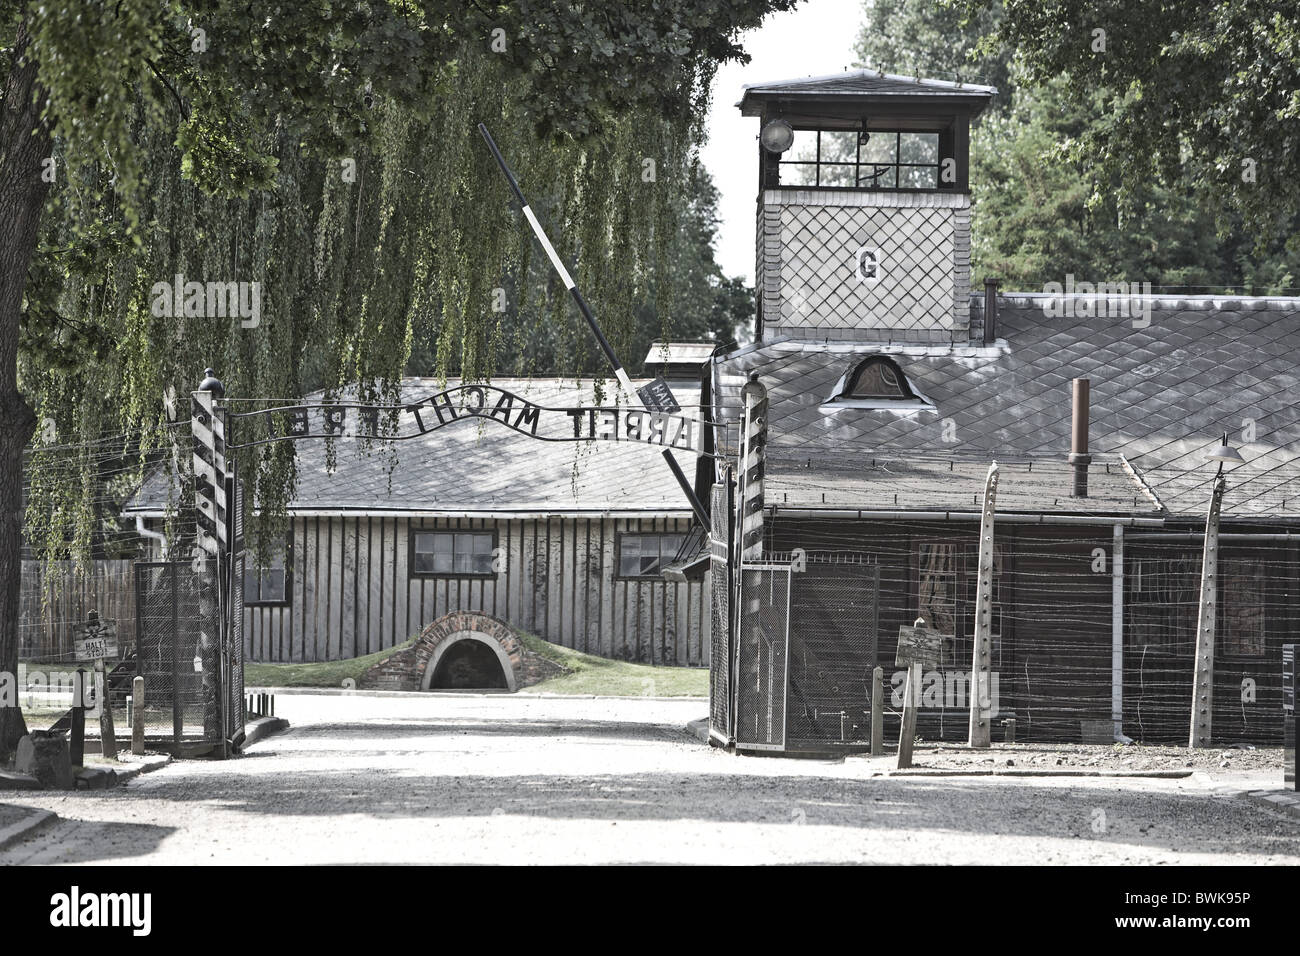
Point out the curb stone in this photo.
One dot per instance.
(260, 729)
(698, 729)
(1031, 772)
(33, 822)
(1285, 801)
(146, 764)
(96, 776)
(524, 694)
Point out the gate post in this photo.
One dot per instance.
(753, 448)
(749, 524)
(1203, 665)
(981, 731)
(212, 545)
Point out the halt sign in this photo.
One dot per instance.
(918, 644)
(95, 640)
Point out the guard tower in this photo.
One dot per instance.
(864, 207)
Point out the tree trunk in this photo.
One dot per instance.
(24, 143)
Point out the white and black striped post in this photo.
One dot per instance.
(752, 450)
(209, 467)
(212, 553)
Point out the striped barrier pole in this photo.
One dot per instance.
(619, 372)
(753, 448)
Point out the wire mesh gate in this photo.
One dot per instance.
(189, 629)
(806, 637)
(762, 658)
(834, 615)
(192, 666)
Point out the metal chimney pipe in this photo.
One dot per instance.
(990, 311)
(1079, 456)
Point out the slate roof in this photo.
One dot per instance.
(862, 84)
(479, 467)
(847, 481)
(1161, 398)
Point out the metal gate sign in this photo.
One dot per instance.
(655, 425)
(658, 397)
(95, 640)
(918, 645)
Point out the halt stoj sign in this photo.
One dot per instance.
(95, 640)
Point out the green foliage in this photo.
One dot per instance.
(1035, 220)
(939, 40)
(1199, 92)
(328, 152)
(1056, 185)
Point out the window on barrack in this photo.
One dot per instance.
(454, 554)
(645, 555)
(268, 583)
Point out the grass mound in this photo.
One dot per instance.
(587, 674)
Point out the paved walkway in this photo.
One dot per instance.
(510, 779)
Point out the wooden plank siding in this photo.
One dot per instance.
(53, 597)
(352, 593)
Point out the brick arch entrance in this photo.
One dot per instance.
(416, 667)
(447, 646)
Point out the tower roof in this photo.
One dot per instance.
(864, 86)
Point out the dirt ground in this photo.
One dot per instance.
(512, 779)
(1131, 757)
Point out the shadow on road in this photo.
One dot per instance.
(87, 841)
(432, 789)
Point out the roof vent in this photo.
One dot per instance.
(1079, 456)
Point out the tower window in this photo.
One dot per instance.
(848, 159)
(879, 378)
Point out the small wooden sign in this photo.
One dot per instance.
(95, 640)
(658, 397)
(918, 645)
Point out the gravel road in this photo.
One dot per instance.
(510, 779)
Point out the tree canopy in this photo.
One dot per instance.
(1201, 92)
(1058, 185)
(327, 152)
(384, 243)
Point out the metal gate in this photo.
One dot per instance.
(805, 650)
(833, 624)
(193, 676)
(762, 660)
(234, 656)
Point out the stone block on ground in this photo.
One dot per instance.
(45, 756)
(96, 778)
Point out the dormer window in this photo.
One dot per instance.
(878, 377)
(876, 382)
